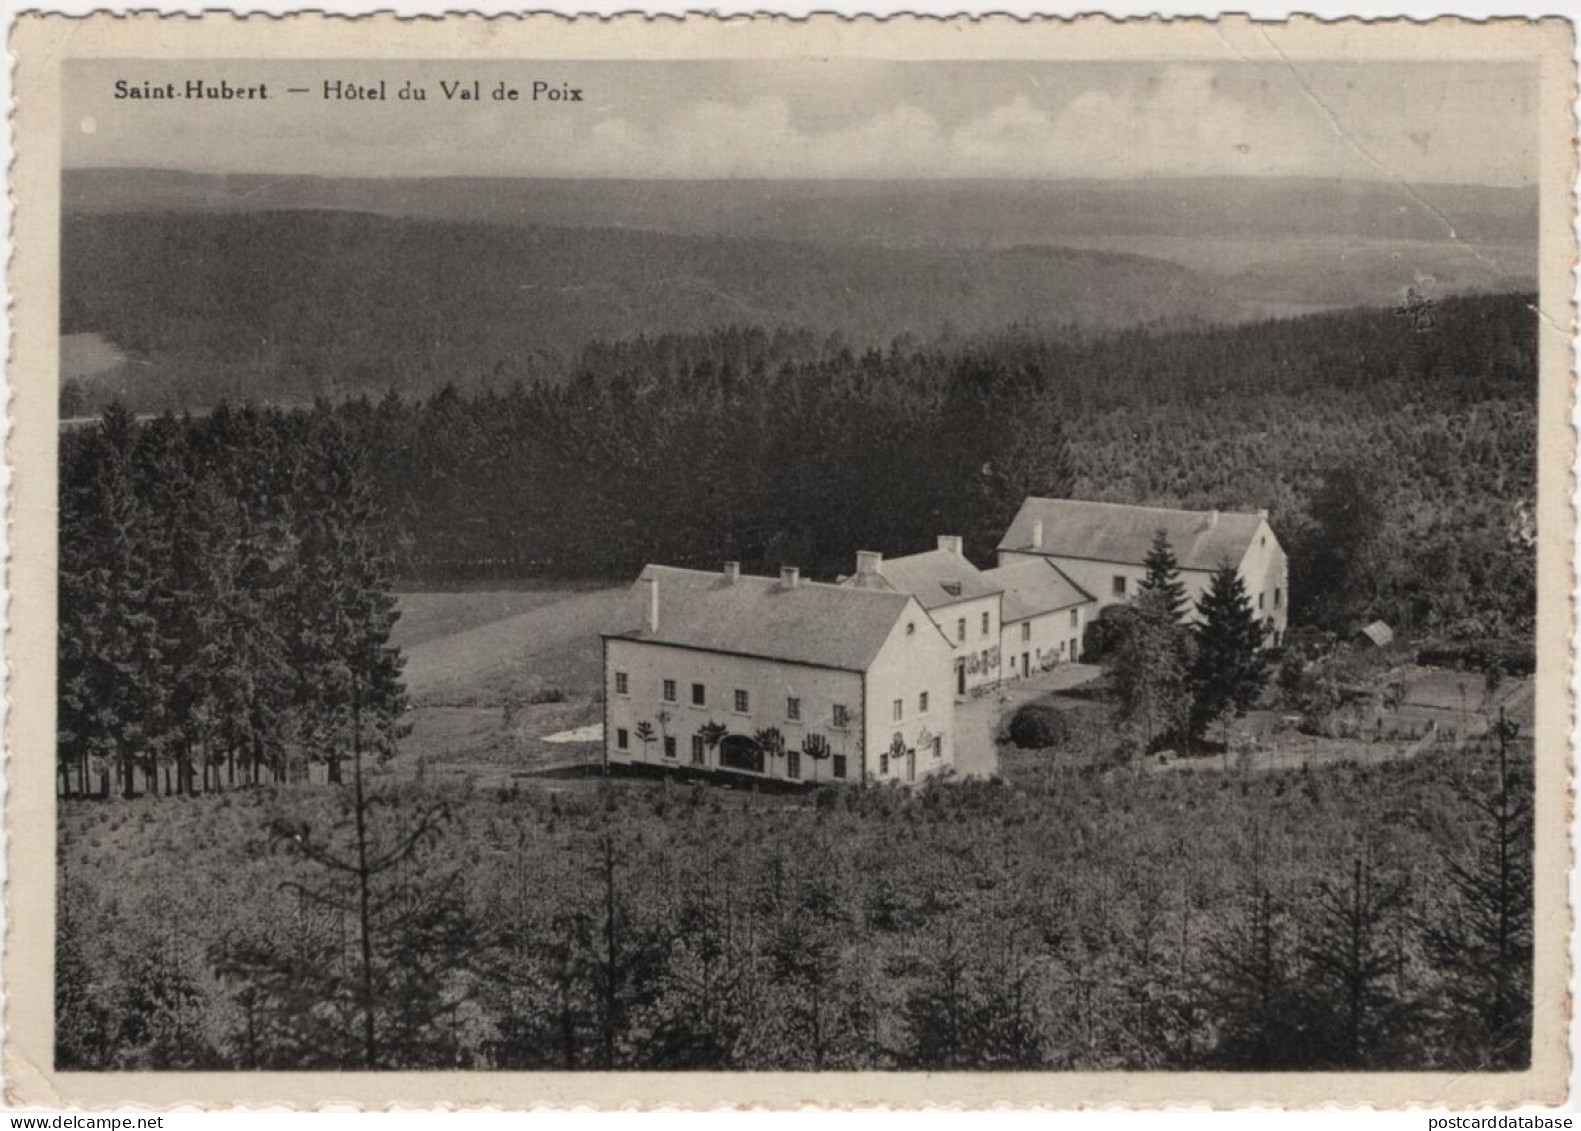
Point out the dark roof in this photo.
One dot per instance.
(1032, 587)
(809, 623)
(935, 578)
(1114, 532)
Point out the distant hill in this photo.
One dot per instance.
(185, 287)
(286, 306)
(977, 213)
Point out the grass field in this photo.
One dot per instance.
(476, 660)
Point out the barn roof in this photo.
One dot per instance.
(1114, 532)
(1379, 633)
(808, 623)
(935, 578)
(1032, 587)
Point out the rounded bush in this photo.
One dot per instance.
(1036, 728)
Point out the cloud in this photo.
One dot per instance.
(873, 120)
(1175, 123)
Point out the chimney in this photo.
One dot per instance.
(950, 544)
(732, 572)
(1037, 533)
(790, 577)
(1213, 519)
(1262, 513)
(868, 561)
(653, 604)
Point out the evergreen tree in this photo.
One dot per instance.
(1356, 1009)
(1163, 576)
(1230, 666)
(1480, 937)
(1251, 977)
(111, 676)
(1149, 669)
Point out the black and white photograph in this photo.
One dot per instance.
(815, 564)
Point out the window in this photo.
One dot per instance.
(1026, 631)
(793, 709)
(1119, 586)
(938, 747)
(839, 765)
(793, 763)
(883, 763)
(960, 629)
(669, 746)
(985, 624)
(1075, 618)
(622, 739)
(697, 749)
(842, 717)
(669, 691)
(699, 695)
(900, 709)
(622, 684)
(1260, 597)
(1276, 598)
(922, 703)
(911, 627)
(743, 701)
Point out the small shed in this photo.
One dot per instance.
(1378, 634)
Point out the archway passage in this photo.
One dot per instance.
(741, 752)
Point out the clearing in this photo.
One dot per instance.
(492, 673)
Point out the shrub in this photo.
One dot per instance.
(1512, 656)
(546, 695)
(1037, 728)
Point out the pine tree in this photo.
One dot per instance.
(1251, 975)
(1230, 666)
(1163, 576)
(1481, 934)
(111, 665)
(1356, 1010)
(1149, 668)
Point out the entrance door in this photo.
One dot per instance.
(1026, 665)
(1073, 649)
(741, 752)
(911, 765)
(960, 677)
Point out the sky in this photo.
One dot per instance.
(1471, 123)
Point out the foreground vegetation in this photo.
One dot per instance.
(1358, 916)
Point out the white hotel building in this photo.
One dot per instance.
(776, 677)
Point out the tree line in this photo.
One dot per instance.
(1398, 466)
(224, 603)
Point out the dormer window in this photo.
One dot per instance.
(953, 588)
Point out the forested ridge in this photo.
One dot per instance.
(201, 303)
(788, 448)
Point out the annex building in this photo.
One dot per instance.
(784, 678)
(957, 596)
(1102, 548)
